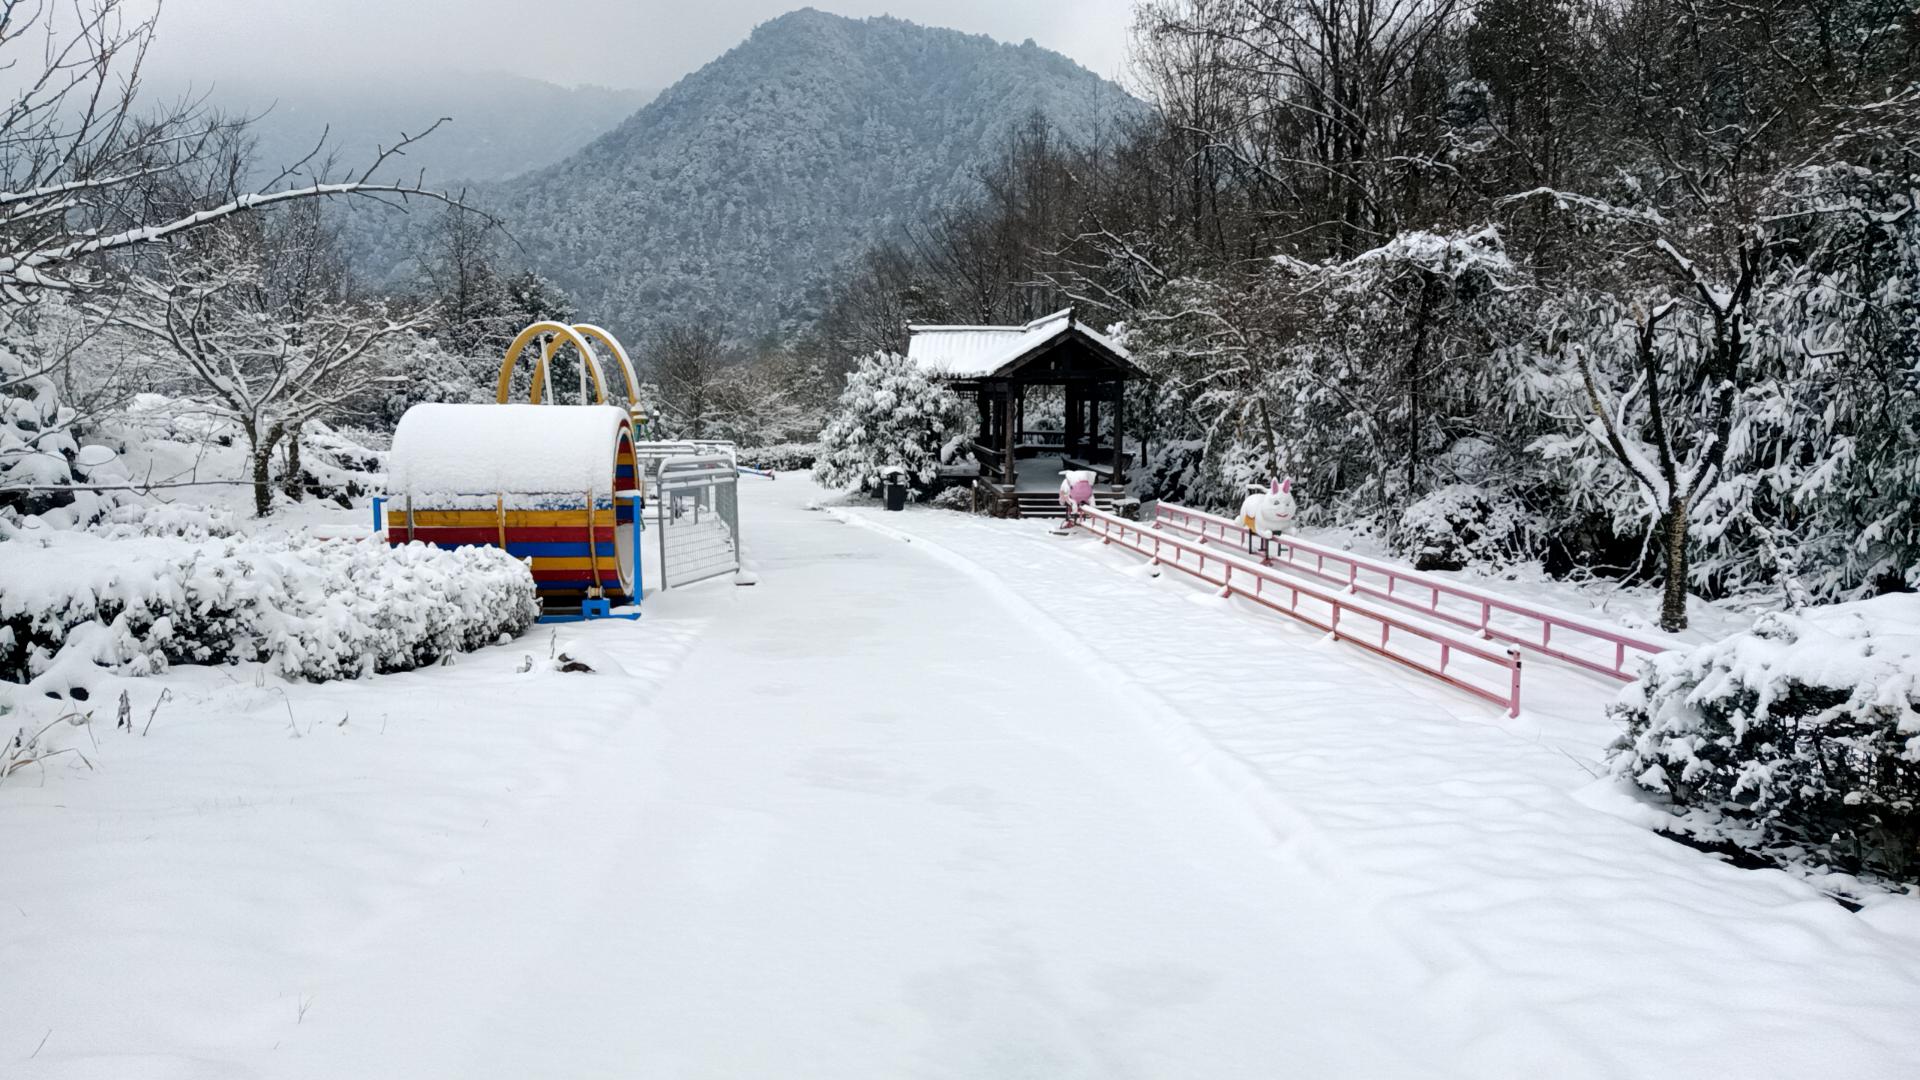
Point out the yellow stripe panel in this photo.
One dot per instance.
(472, 519)
(561, 562)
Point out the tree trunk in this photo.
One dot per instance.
(291, 483)
(1673, 596)
(1266, 436)
(1416, 372)
(262, 481)
(260, 450)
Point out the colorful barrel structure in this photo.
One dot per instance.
(551, 483)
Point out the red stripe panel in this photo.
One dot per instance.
(448, 534)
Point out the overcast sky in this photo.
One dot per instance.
(624, 43)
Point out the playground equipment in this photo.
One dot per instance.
(554, 484)
(1076, 491)
(1267, 514)
(543, 482)
(552, 337)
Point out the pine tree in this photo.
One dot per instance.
(891, 414)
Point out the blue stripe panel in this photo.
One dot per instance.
(575, 551)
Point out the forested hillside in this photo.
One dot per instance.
(1630, 288)
(743, 189)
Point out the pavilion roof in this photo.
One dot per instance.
(974, 352)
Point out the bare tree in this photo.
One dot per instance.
(689, 361)
(459, 269)
(263, 349)
(1310, 104)
(78, 155)
(1670, 427)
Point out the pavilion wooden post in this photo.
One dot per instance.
(1072, 395)
(1120, 433)
(1007, 405)
(1093, 420)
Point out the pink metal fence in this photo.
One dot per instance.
(1283, 593)
(1402, 585)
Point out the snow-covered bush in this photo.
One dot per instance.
(781, 457)
(177, 520)
(1462, 525)
(954, 498)
(308, 608)
(432, 373)
(1801, 737)
(36, 431)
(891, 413)
(333, 464)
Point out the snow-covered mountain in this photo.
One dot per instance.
(744, 187)
(500, 125)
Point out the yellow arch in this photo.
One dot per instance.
(588, 330)
(560, 334)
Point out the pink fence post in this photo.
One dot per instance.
(1513, 709)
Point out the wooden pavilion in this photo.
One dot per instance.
(1000, 365)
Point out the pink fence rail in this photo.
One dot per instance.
(1345, 618)
(1472, 609)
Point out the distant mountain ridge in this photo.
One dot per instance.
(743, 189)
(501, 125)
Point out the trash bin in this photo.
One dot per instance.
(893, 487)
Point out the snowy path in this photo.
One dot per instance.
(1554, 939)
(989, 803)
(883, 830)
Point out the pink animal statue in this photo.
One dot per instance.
(1267, 514)
(1076, 490)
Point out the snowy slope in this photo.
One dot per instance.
(939, 797)
(747, 187)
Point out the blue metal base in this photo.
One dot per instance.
(590, 611)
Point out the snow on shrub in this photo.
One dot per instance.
(891, 413)
(180, 520)
(1802, 735)
(1461, 525)
(781, 457)
(36, 431)
(308, 608)
(957, 497)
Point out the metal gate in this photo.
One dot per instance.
(696, 515)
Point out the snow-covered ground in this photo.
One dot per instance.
(939, 797)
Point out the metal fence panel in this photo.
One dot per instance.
(696, 516)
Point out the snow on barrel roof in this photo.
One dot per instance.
(512, 449)
(973, 351)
